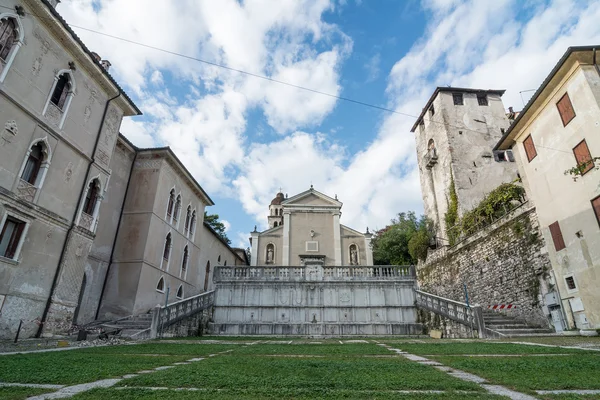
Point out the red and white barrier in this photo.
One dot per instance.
(501, 307)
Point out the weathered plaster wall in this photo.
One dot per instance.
(274, 236)
(315, 308)
(464, 137)
(505, 263)
(301, 224)
(559, 198)
(349, 237)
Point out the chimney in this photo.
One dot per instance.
(510, 110)
(105, 64)
(96, 56)
(53, 3)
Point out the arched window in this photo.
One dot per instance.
(219, 259)
(431, 144)
(11, 40)
(275, 224)
(179, 294)
(177, 209)
(353, 255)
(160, 286)
(8, 37)
(225, 263)
(91, 198)
(33, 164)
(34, 169)
(61, 90)
(206, 275)
(171, 204)
(60, 98)
(188, 217)
(193, 224)
(166, 251)
(184, 263)
(270, 253)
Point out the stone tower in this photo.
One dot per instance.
(455, 135)
(276, 211)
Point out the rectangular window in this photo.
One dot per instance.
(10, 237)
(529, 148)
(482, 99)
(583, 156)
(557, 236)
(570, 281)
(431, 110)
(596, 207)
(457, 98)
(565, 109)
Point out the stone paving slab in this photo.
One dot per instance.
(70, 391)
(572, 391)
(503, 391)
(32, 385)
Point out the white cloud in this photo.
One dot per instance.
(226, 224)
(372, 67)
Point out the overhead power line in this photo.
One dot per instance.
(214, 64)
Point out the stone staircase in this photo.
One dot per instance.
(133, 326)
(506, 326)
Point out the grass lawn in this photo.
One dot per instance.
(314, 349)
(581, 371)
(91, 364)
(479, 348)
(252, 372)
(21, 393)
(298, 394)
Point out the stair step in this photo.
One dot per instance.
(508, 326)
(523, 331)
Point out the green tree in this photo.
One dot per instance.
(213, 221)
(403, 242)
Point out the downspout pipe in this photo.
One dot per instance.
(112, 251)
(64, 248)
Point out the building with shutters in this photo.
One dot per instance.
(555, 141)
(455, 134)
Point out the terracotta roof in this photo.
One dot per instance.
(278, 199)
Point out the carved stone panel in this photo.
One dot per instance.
(53, 115)
(26, 191)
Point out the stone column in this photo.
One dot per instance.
(285, 255)
(368, 249)
(254, 251)
(337, 241)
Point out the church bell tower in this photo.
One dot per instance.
(276, 211)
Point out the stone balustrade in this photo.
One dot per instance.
(165, 316)
(314, 273)
(471, 316)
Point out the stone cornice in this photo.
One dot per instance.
(31, 210)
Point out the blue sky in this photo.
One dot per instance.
(243, 137)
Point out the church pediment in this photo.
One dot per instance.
(312, 197)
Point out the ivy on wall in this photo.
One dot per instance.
(451, 216)
(496, 204)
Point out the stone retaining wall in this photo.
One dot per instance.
(504, 263)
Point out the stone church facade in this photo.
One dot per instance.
(71, 186)
(306, 229)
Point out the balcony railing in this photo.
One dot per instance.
(165, 316)
(312, 273)
(26, 190)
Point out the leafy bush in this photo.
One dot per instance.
(403, 242)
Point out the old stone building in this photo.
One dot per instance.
(306, 229)
(90, 226)
(555, 140)
(60, 113)
(455, 134)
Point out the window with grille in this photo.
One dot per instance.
(557, 236)
(529, 148)
(10, 237)
(565, 109)
(583, 156)
(570, 281)
(482, 99)
(8, 37)
(458, 99)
